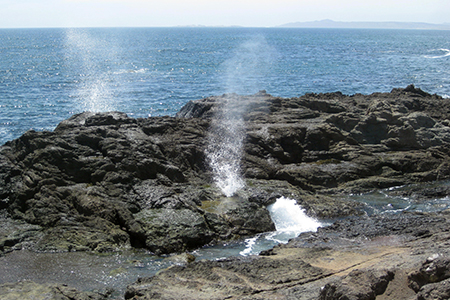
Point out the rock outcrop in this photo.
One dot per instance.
(101, 182)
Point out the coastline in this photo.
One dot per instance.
(105, 182)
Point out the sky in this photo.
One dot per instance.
(249, 13)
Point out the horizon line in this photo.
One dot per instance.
(317, 24)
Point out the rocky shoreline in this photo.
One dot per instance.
(105, 182)
(381, 257)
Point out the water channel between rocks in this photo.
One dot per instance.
(114, 271)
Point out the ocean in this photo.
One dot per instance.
(47, 75)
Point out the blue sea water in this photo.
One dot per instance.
(47, 75)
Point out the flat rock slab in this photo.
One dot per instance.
(338, 262)
(31, 290)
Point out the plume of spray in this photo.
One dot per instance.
(89, 55)
(224, 152)
(243, 73)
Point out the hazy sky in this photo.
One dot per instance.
(150, 13)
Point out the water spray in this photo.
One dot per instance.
(88, 54)
(225, 149)
(227, 133)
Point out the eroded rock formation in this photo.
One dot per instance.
(101, 182)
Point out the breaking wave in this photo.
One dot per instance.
(438, 53)
(290, 220)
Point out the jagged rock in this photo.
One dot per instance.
(101, 182)
(435, 291)
(435, 269)
(358, 285)
(98, 181)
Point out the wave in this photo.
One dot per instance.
(130, 71)
(438, 53)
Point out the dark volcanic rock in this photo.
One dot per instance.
(102, 181)
(358, 285)
(435, 269)
(435, 291)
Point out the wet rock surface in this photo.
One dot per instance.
(378, 257)
(103, 182)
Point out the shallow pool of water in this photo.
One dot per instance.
(421, 197)
(82, 270)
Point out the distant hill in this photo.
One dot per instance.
(368, 25)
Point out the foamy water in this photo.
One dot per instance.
(438, 53)
(289, 217)
(290, 220)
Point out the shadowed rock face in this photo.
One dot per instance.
(102, 181)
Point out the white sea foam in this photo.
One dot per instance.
(439, 53)
(290, 218)
(131, 71)
(249, 245)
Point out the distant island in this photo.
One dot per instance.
(368, 25)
